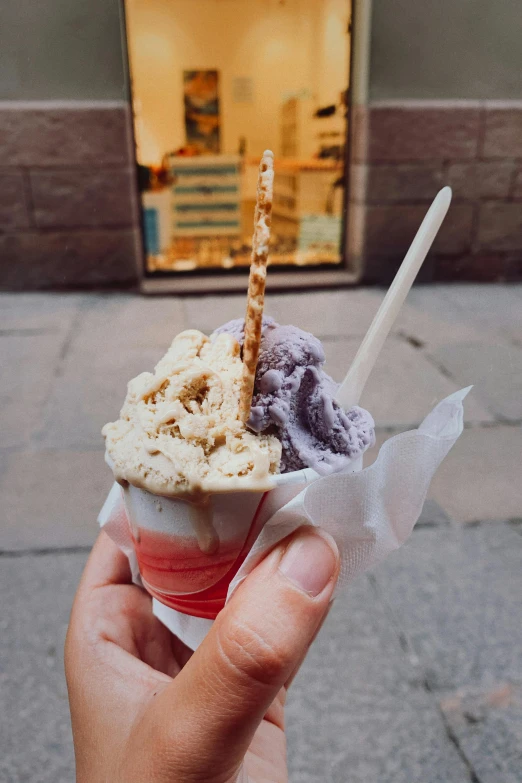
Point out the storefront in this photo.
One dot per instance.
(213, 84)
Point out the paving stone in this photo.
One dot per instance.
(413, 386)
(495, 370)
(496, 307)
(90, 392)
(480, 477)
(206, 313)
(437, 301)
(429, 313)
(339, 355)
(455, 595)
(487, 724)
(28, 363)
(118, 338)
(131, 319)
(435, 315)
(327, 314)
(432, 515)
(37, 594)
(425, 329)
(39, 311)
(358, 711)
(51, 498)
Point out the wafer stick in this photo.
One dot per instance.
(256, 280)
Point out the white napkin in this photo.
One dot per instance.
(369, 514)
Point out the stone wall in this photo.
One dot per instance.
(445, 49)
(404, 152)
(68, 200)
(62, 50)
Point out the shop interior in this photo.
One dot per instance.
(214, 83)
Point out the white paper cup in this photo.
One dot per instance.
(188, 553)
(186, 549)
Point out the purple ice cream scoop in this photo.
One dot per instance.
(294, 399)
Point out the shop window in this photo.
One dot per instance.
(214, 83)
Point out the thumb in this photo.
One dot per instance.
(255, 644)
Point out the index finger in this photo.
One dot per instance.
(107, 565)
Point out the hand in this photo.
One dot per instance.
(146, 710)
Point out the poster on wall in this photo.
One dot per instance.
(202, 117)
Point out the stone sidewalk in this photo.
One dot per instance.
(417, 674)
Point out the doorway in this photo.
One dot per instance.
(214, 83)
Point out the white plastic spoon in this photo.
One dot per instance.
(351, 389)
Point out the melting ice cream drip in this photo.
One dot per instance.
(200, 514)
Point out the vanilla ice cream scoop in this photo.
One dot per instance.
(179, 431)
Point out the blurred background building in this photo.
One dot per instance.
(130, 135)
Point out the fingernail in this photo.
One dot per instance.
(310, 561)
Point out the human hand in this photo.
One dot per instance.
(145, 709)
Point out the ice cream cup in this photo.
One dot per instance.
(188, 553)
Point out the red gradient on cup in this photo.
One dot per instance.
(176, 572)
(177, 565)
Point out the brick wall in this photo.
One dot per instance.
(68, 201)
(403, 153)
